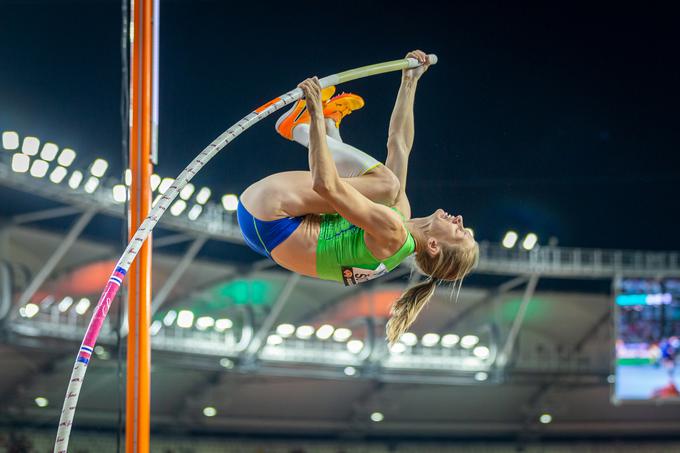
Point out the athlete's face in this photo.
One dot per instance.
(450, 228)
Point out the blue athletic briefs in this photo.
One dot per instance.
(261, 235)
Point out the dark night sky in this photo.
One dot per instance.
(557, 119)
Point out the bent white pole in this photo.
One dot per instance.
(125, 261)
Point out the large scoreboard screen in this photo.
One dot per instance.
(647, 317)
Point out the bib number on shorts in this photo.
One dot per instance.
(355, 275)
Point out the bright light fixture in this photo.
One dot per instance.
(10, 140)
(20, 163)
(230, 202)
(185, 319)
(30, 146)
(58, 174)
(430, 339)
(30, 310)
(469, 341)
(510, 239)
(186, 191)
(285, 330)
(39, 168)
(209, 411)
(178, 207)
(203, 195)
(119, 193)
(169, 318)
(529, 241)
(545, 418)
(481, 351)
(91, 184)
(49, 152)
(128, 177)
(223, 324)
(398, 348)
(99, 167)
(377, 417)
(324, 332)
(82, 305)
(355, 346)
(155, 327)
(304, 332)
(342, 334)
(41, 401)
(165, 184)
(155, 181)
(226, 363)
(66, 157)
(350, 371)
(195, 211)
(409, 339)
(450, 340)
(274, 340)
(65, 304)
(481, 376)
(75, 179)
(204, 322)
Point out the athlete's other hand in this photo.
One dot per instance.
(415, 73)
(312, 90)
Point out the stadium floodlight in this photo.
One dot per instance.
(545, 418)
(127, 176)
(195, 211)
(65, 304)
(304, 332)
(204, 322)
(469, 341)
(75, 179)
(99, 167)
(39, 168)
(30, 146)
(49, 152)
(481, 351)
(274, 340)
(20, 163)
(342, 334)
(169, 318)
(58, 174)
(285, 330)
(355, 346)
(529, 241)
(155, 327)
(510, 239)
(398, 348)
(187, 191)
(10, 140)
(165, 184)
(409, 339)
(203, 195)
(119, 193)
(230, 202)
(481, 376)
(41, 401)
(178, 207)
(155, 181)
(82, 305)
(30, 310)
(377, 417)
(223, 324)
(350, 371)
(450, 340)
(66, 157)
(324, 332)
(91, 184)
(185, 319)
(430, 339)
(209, 411)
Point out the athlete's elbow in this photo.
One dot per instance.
(324, 187)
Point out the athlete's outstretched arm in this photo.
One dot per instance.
(375, 219)
(402, 129)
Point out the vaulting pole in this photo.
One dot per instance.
(138, 388)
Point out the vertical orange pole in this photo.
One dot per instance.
(139, 276)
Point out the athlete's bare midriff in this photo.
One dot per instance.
(298, 252)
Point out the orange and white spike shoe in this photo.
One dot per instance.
(342, 105)
(298, 114)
